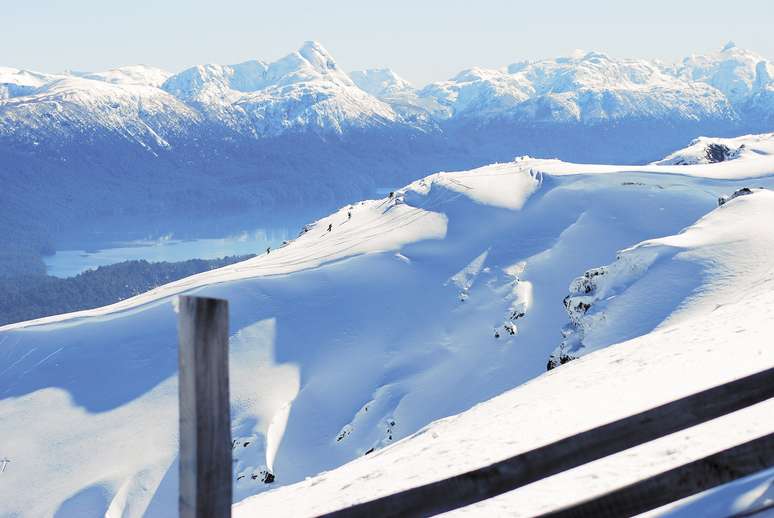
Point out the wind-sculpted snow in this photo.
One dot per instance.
(726, 341)
(662, 282)
(377, 320)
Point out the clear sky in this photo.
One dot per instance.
(422, 40)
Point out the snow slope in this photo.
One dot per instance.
(417, 308)
(709, 295)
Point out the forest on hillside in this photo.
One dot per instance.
(33, 296)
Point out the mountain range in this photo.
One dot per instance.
(87, 157)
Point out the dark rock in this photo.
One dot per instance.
(744, 191)
(554, 362)
(717, 153)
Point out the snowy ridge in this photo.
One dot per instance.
(706, 150)
(418, 307)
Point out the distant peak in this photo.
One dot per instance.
(313, 46)
(578, 54)
(379, 81)
(383, 74)
(728, 46)
(317, 55)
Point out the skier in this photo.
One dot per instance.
(392, 194)
(268, 250)
(330, 227)
(349, 215)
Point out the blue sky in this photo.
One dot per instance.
(423, 40)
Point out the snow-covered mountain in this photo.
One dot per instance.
(304, 90)
(589, 88)
(592, 87)
(416, 308)
(137, 147)
(738, 73)
(308, 90)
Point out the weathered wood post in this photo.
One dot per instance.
(205, 421)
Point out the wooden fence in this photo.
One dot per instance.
(205, 442)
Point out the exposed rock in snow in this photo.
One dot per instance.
(744, 191)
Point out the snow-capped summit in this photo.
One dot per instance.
(310, 63)
(304, 90)
(477, 93)
(381, 82)
(320, 59)
(387, 86)
(15, 82)
(728, 46)
(736, 72)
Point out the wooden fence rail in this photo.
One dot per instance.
(545, 461)
(678, 483)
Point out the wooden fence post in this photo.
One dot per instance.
(205, 421)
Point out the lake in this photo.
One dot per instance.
(68, 263)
